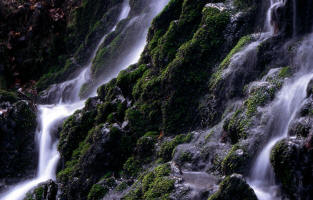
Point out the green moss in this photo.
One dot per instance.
(184, 157)
(261, 95)
(160, 188)
(75, 130)
(72, 164)
(131, 167)
(285, 72)
(122, 187)
(236, 126)
(239, 46)
(178, 32)
(126, 79)
(161, 22)
(155, 184)
(97, 192)
(145, 146)
(235, 161)
(56, 74)
(103, 110)
(37, 194)
(189, 70)
(256, 99)
(282, 159)
(235, 188)
(217, 76)
(167, 148)
(147, 86)
(152, 134)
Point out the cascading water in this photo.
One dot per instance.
(282, 111)
(271, 16)
(51, 114)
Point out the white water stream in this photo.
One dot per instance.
(282, 111)
(51, 114)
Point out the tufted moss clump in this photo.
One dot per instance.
(161, 22)
(167, 148)
(131, 167)
(75, 129)
(261, 95)
(256, 99)
(236, 126)
(235, 161)
(155, 184)
(71, 164)
(178, 32)
(126, 79)
(97, 192)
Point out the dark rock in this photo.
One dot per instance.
(44, 191)
(292, 162)
(300, 127)
(18, 155)
(234, 187)
(309, 89)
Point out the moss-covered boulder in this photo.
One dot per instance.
(18, 154)
(44, 191)
(291, 160)
(234, 187)
(236, 161)
(155, 184)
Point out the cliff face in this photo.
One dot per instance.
(188, 120)
(138, 118)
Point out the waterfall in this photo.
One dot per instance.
(271, 16)
(283, 110)
(49, 115)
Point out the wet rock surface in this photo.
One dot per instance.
(234, 187)
(18, 152)
(185, 122)
(44, 191)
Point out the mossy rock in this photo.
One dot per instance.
(291, 160)
(145, 146)
(235, 161)
(131, 167)
(234, 187)
(97, 192)
(44, 191)
(167, 148)
(155, 184)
